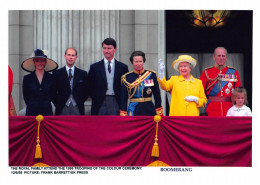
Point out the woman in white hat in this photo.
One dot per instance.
(39, 85)
(187, 93)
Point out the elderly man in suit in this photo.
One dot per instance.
(104, 81)
(71, 87)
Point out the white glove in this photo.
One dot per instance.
(161, 68)
(192, 98)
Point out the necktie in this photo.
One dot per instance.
(70, 74)
(109, 67)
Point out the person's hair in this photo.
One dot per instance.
(220, 47)
(137, 53)
(191, 66)
(237, 91)
(72, 49)
(109, 41)
(34, 59)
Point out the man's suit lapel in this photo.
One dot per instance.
(65, 76)
(116, 70)
(75, 77)
(102, 70)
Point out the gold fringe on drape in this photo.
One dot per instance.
(155, 150)
(157, 163)
(40, 165)
(38, 151)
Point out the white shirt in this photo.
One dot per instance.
(110, 76)
(72, 70)
(71, 99)
(112, 62)
(243, 111)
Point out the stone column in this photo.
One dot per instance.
(162, 49)
(20, 48)
(56, 30)
(143, 30)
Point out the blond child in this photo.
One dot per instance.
(239, 100)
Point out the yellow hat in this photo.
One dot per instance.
(183, 58)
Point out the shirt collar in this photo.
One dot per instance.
(219, 67)
(137, 72)
(192, 79)
(239, 109)
(73, 68)
(112, 61)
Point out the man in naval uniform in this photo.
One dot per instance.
(138, 86)
(218, 82)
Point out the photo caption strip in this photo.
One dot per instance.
(65, 170)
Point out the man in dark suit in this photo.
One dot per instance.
(71, 87)
(104, 81)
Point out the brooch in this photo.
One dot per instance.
(149, 91)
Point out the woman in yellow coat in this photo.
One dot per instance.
(187, 92)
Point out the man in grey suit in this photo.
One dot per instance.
(104, 81)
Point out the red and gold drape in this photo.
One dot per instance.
(128, 141)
